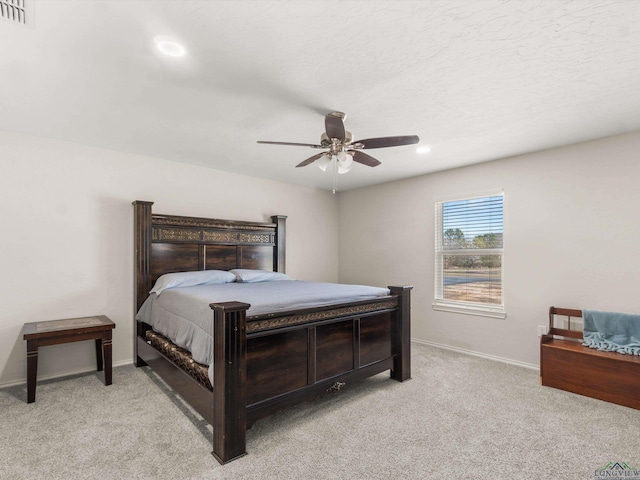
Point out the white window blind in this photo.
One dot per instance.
(468, 255)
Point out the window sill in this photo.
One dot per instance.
(470, 309)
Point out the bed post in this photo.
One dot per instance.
(402, 336)
(229, 380)
(142, 260)
(279, 256)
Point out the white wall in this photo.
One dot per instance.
(572, 233)
(66, 241)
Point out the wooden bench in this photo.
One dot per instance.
(568, 365)
(55, 332)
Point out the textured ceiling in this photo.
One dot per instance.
(477, 80)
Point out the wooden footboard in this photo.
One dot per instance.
(269, 364)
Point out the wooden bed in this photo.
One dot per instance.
(266, 362)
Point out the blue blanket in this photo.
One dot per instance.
(612, 331)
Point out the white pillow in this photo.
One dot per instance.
(244, 275)
(189, 279)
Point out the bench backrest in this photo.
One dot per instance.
(564, 332)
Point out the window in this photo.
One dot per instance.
(468, 257)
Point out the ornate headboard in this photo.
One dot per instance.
(171, 243)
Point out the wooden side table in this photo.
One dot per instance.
(54, 332)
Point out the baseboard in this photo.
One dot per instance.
(416, 340)
(65, 374)
(478, 354)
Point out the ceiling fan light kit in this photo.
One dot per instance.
(342, 151)
(345, 161)
(323, 162)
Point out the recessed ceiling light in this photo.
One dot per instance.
(169, 46)
(423, 149)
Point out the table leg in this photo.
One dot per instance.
(32, 369)
(99, 354)
(106, 345)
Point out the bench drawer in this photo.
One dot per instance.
(610, 377)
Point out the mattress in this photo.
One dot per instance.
(184, 316)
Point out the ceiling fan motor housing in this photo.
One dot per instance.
(325, 140)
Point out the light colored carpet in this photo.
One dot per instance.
(459, 417)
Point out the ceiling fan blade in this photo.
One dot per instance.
(289, 143)
(382, 142)
(334, 126)
(364, 159)
(310, 160)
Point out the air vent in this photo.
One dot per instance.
(14, 11)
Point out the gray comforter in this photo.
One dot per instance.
(184, 316)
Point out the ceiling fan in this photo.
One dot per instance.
(340, 146)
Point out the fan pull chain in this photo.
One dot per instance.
(335, 175)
